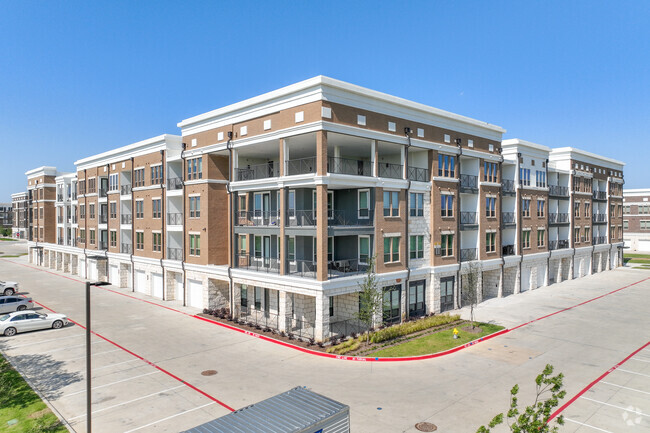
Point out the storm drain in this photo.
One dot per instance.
(426, 426)
(213, 372)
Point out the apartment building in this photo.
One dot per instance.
(275, 207)
(20, 220)
(6, 215)
(636, 219)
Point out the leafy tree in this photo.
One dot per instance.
(371, 298)
(534, 418)
(470, 293)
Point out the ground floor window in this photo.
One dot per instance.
(417, 304)
(392, 303)
(446, 293)
(258, 298)
(244, 296)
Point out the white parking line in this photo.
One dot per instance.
(587, 425)
(94, 354)
(44, 341)
(633, 372)
(109, 384)
(60, 349)
(626, 409)
(127, 402)
(173, 416)
(639, 359)
(113, 365)
(625, 387)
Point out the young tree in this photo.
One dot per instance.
(534, 418)
(470, 293)
(371, 298)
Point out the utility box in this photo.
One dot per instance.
(295, 411)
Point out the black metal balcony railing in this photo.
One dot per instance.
(558, 218)
(357, 167)
(102, 192)
(301, 218)
(102, 245)
(598, 240)
(344, 267)
(174, 183)
(508, 218)
(301, 166)
(468, 254)
(125, 189)
(260, 264)
(468, 218)
(558, 191)
(394, 171)
(351, 217)
(59, 197)
(507, 185)
(103, 218)
(599, 218)
(174, 218)
(468, 181)
(303, 268)
(508, 250)
(419, 174)
(126, 248)
(260, 171)
(257, 218)
(599, 195)
(558, 244)
(174, 253)
(126, 218)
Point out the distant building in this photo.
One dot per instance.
(20, 222)
(6, 215)
(636, 219)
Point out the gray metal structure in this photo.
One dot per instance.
(295, 411)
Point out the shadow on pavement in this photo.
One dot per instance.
(47, 373)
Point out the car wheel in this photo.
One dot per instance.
(10, 332)
(9, 292)
(22, 307)
(57, 324)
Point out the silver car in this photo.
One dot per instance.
(9, 304)
(8, 288)
(22, 321)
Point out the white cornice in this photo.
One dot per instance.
(584, 156)
(41, 171)
(144, 147)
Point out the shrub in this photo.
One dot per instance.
(411, 327)
(344, 347)
(311, 342)
(291, 336)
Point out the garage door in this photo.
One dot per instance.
(92, 270)
(195, 293)
(140, 282)
(627, 243)
(157, 285)
(541, 276)
(525, 279)
(114, 275)
(644, 245)
(178, 295)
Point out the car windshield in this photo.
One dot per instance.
(3, 318)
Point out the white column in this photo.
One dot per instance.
(373, 146)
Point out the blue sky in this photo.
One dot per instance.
(79, 78)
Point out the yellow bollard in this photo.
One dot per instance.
(455, 332)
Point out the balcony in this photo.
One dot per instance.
(301, 218)
(102, 192)
(126, 218)
(126, 248)
(507, 186)
(468, 220)
(599, 195)
(394, 171)
(259, 264)
(260, 171)
(468, 254)
(102, 245)
(174, 218)
(103, 218)
(419, 174)
(558, 244)
(558, 218)
(469, 183)
(125, 189)
(508, 218)
(59, 219)
(301, 166)
(356, 167)
(302, 268)
(599, 218)
(175, 254)
(558, 191)
(345, 267)
(257, 218)
(508, 250)
(174, 183)
(350, 218)
(598, 240)
(59, 197)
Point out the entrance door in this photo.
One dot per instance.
(140, 282)
(417, 304)
(157, 285)
(447, 294)
(392, 304)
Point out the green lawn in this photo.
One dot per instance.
(14, 255)
(8, 239)
(18, 404)
(433, 343)
(636, 256)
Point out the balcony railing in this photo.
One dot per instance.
(344, 267)
(174, 183)
(59, 197)
(558, 191)
(508, 218)
(125, 189)
(257, 218)
(507, 185)
(598, 240)
(174, 218)
(394, 171)
(126, 218)
(362, 217)
(419, 174)
(301, 166)
(303, 268)
(301, 218)
(558, 244)
(508, 250)
(102, 192)
(599, 195)
(103, 218)
(174, 253)
(260, 171)
(126, 248)
(357, 167)
(468, 181)
(102, 245)
(468, 254)
(558, 218)
(260, 264)
(599, 218)
(468, 218)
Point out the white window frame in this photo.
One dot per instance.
(359, 250)
(359, 192)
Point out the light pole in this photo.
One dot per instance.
(88, 378)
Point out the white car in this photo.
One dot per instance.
(8, 288)
(10, 304)
(22, 321)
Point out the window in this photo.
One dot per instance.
(82, 211)
(81, 186)
(392, 301)
(490, 207)
(541, 236)
(364, 203)
(82, 236)
(138, 177)
(113, 238)
(524, 176)
(364, 249)
(244, 296)
(92, 210)
(92, 237)
(139, 209)
(446, 165)
(644, 225)
(576, 209)
(91, 186)
(541, 211)
(195, 168)
(525, 239)
(242, 202)
(417, 305)
(195, 245)
(490, 242)
(417, 247)
(447, 293)
(587, 209)
(331, 302)
(391, 249)
(242, 245)
(447, 205)
(112, 182)
(139, 240)
(587, 234)
(291, 249)
(626, 209)
(489, 171)
(576, 235)
(195, 207)
(525, 207)
(391, 203)
(258, 246)
(625, 224)
(540, 179)
(258, 298)
(416, 204)
(157, 241)
(113, 209)
(156, 207)
(447, 245)
(156, 174)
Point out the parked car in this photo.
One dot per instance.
(22, 321)
(8, 288)
(9, 304)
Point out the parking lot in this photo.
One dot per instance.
(149, 356)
